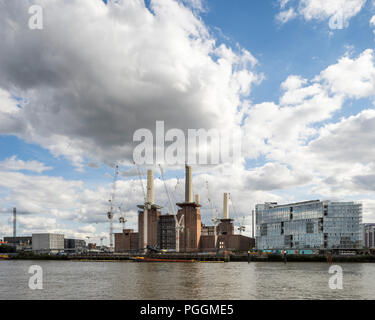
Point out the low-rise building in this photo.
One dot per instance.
(126, 241)
(47, 242)
(21, 243)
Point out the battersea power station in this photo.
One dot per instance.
(182, 232)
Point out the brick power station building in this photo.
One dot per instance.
(184, 229)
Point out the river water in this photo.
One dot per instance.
(233, 280)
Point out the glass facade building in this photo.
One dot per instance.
(309, 225)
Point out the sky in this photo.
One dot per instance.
(296, 77)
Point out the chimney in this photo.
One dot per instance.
(225, 206)
(197, 199)
(188, 185)
(150, 187)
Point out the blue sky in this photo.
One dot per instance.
(62, 128)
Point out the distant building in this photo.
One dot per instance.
(47, 242)
(74, 245)
(126, 241)
(167, 232)
(368, 237)
(193, 235)
(309, 225)
(226, 239)
(91, 246)
(22, 243)
(207, 230)
(153, 214)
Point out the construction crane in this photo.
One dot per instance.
(101, 242)
(241, 228)
(111, 210)
(141, 182)
(179, 225)
(122, 219)
(215, 219)
(145, 211)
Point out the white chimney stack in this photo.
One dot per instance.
(150, 187)
(197, 199)
(225, 206)
(188, 185)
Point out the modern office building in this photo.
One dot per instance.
(309, 225)
(368, 230)
(47, 242)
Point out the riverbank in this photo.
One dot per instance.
(200, 257)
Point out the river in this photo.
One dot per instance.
(233, 280)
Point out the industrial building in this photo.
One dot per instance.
(167, 232)
(368, 236)
(226, 239)
(126, 241)
(183, 231)
(74, 245)
(50, 243)
(21, 243)
(309, 225)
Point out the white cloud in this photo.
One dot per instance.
(14, 164)
(8, 106)
(335, 161)
(338, 12)
(283, 3)
(352, 77)
(286, 15)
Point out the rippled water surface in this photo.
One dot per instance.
(124, 280)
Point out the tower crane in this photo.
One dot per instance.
(145, 211)
(101, 242)
(111, 209)
(141, 182)
(241, 228)
(179, 226)
(122, 219)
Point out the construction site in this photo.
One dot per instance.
(178, 232)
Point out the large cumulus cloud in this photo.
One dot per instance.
(97, 72)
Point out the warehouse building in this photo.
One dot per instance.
(50, 243)
(126, 241)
